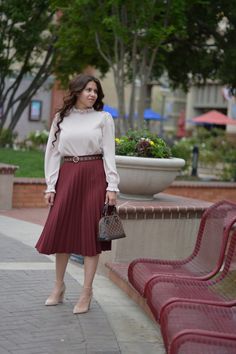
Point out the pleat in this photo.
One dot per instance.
(72, 223)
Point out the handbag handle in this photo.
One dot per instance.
(106, 211)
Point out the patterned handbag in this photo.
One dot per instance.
(110, 226)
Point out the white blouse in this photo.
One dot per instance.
(82, 133)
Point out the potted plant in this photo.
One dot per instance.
(145, 165)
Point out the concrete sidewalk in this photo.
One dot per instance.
(113, 325)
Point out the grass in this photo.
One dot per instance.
(30, 162)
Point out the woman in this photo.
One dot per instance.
(83, 135)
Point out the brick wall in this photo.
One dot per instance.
(209, 191)
(28, 192)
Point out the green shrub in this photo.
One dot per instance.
(142, 143)
(183, 149)
(214, 151)
(7, 138)
(37, 139)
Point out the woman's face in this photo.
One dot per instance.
(88, 96)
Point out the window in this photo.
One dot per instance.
(35, 110)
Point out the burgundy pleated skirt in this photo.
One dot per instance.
(72, 223)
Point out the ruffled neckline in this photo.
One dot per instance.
(83, 111)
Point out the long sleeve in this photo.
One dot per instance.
(52, 159)
(108, 136)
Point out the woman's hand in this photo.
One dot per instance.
(49, 197)
(111, 198)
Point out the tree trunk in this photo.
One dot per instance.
(143, 87)
(133, 83)
(132, 105)
(142, 104)
(10, 95)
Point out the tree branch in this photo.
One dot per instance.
(24, 102)
(108, 60)
(43, 68)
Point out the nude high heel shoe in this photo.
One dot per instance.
(57, 294)
(83, 304)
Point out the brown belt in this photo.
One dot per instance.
(77, 159)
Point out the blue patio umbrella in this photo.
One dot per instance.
(113, 111)
(149, 114)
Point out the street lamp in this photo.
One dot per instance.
(195, 161)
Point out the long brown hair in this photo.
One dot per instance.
(76, 86)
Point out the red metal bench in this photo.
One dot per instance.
(189, 328)
(206, 258)
(162, 291)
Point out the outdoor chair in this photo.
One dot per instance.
(162, 291)
(206, 258)
(192, 328)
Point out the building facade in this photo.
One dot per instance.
(204, 98)
(37, 114)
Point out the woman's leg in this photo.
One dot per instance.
(61, 264)
(90, 267)
(59, 288)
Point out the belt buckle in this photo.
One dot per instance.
(75, 159)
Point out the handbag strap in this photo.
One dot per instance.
(109, 210)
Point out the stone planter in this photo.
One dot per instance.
(6, 185)
(141, 177)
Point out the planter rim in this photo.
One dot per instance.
(150, 161)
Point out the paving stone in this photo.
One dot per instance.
(15, 251)
(3, 351)
(142, 347)
(27, 326)
(103, 352)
